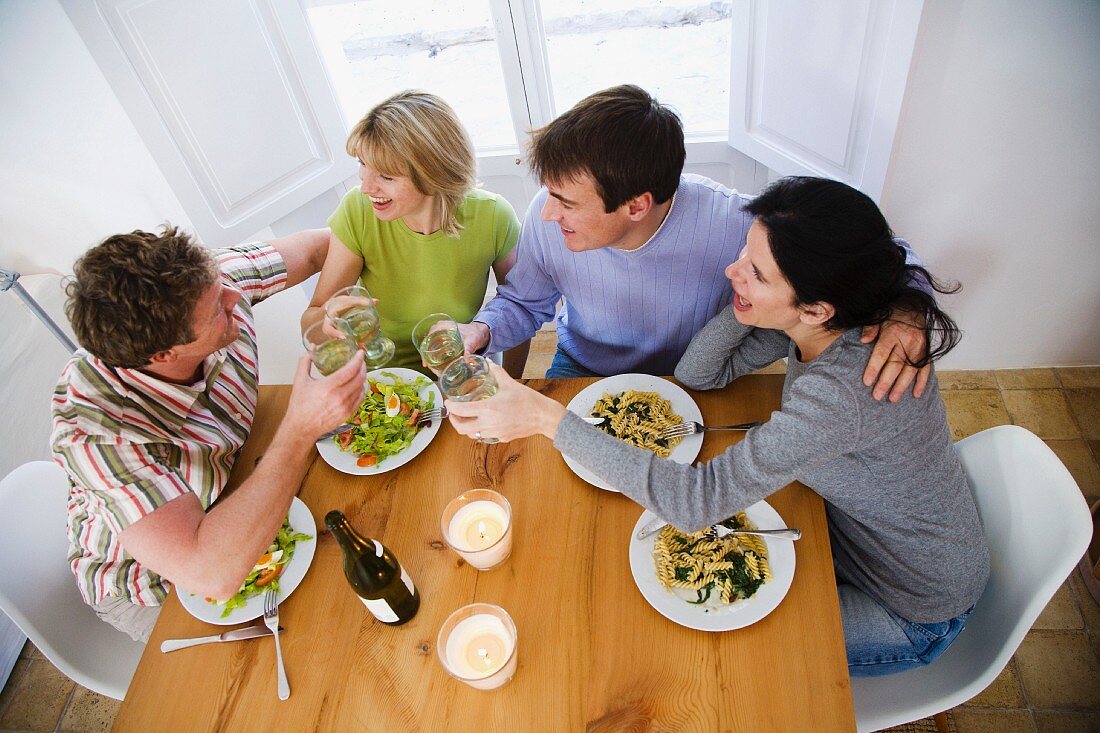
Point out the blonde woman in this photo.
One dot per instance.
(416, 233)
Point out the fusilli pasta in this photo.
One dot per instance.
(733, 566)
(638, 418)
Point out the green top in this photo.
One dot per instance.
(414, 274)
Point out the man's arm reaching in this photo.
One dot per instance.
(303, 252)
(212, 552)
(897, 342)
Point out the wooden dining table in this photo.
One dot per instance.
(592, 653)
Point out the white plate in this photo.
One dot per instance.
(300, 521)
(722, 618)
(682, 405)
(346, 462)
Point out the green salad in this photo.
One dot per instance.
(385, 423)
(268, 568)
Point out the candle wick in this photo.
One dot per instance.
(484, 654)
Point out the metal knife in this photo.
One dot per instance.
(247, 632)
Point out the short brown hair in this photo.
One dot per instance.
(417, 135)
(133, 295)
(622, 137)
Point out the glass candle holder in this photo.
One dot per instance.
(477, 525)
(477, 645)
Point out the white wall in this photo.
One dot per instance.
(75, 169)
(995, 179)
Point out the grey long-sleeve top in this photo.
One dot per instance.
(902, 521)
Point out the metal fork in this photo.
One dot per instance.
(690, 427)
(783, 533)
(271, 620)
(430, 415)
(424, 419)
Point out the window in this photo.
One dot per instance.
(252, 129)
(373, 49)
(677, 49)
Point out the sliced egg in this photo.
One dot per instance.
(268, 561)
(393, 406)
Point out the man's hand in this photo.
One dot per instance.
(319, 405)
(475, 336)
(900, 340)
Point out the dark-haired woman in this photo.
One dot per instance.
(819, 264)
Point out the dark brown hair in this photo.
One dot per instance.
(833, 245)
(133, 295)
(623, 138)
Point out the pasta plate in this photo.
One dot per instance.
(682, 404)
(709, 617)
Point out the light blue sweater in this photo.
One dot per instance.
(624, 311)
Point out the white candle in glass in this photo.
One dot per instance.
(480, 651)
(479, 528)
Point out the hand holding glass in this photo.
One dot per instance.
(329, 353)
(438, 340)
(352, 310)
(468, 379)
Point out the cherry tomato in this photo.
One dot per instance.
(269, 575)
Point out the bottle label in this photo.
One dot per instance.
(380, 609)
(407, 581)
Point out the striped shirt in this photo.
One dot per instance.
(131, 442)
(625, 311)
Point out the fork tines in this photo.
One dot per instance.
(679, 430)
(429, 416)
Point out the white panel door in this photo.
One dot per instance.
(231, 99)
(816, 88)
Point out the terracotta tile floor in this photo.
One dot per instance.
(1052, 684)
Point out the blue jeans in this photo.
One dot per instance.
(878, 641)
(564, 365)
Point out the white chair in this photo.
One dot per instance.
(37, 589)
(1037, 525)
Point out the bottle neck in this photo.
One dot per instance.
(346, 535)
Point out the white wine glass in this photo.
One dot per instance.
(468, 379)
(437, 338)
(328, 352)
(352, 310)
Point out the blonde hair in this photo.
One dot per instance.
(417, 135)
